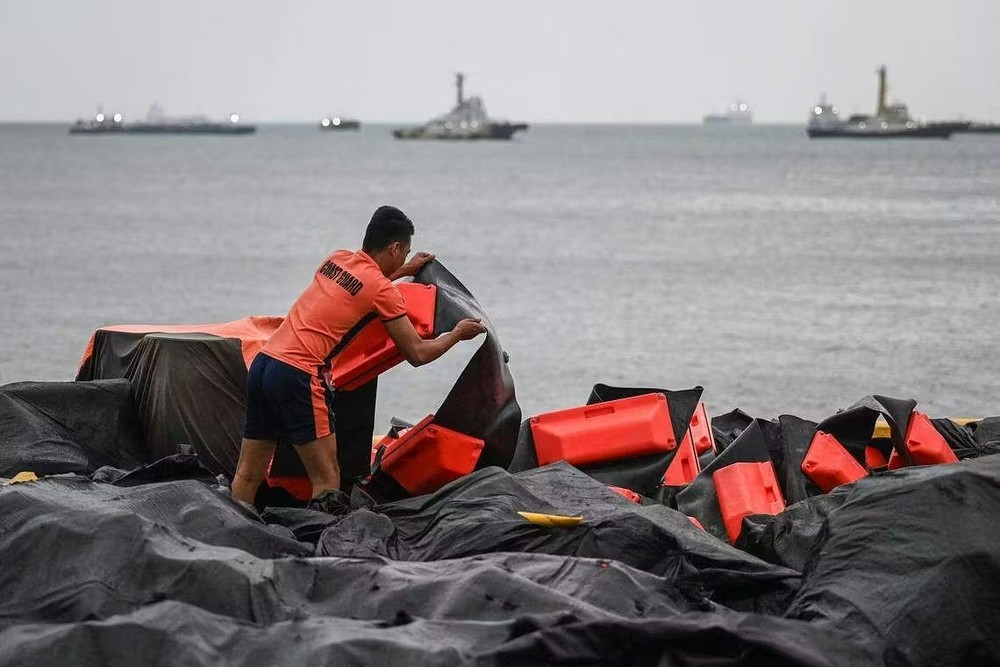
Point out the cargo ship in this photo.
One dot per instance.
(339, 123)
(157, 123)
(890, 121)
(739, 113)
(466, 121)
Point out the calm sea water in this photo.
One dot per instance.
(784, 275)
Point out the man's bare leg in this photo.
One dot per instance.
(255, 455)
(319, 458)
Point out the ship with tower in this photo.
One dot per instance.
(466, 121)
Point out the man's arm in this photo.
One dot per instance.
(418, 351)
(414, 265)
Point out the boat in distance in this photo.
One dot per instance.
(339, 123)
(157, 123)
(739, 113)
(890, 121)
(465, 122)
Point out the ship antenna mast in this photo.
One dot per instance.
(459, 84)
(880, 109)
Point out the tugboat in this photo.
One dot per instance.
(467, 121)
(157, 123)
(739, 113)
(339, 123)
(891, 121)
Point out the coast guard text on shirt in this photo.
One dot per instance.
(341, 277)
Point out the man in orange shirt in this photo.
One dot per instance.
(286, 397)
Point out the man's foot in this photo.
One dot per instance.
(331, 501)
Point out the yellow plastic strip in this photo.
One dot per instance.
(552, 520)
(22, 477)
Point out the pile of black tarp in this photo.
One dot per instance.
(60, 427)
(161, 565)
(126, 552)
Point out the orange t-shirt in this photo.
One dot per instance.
(347, 292)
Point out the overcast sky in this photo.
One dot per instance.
(538, 61)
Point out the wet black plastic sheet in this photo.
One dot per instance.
(191, 389)
(174, 633)
(58, 427)
(216, 556)
(913, 557)
(481, 403)
(727, 427)
(110, 354)
(150, 573)
(788, 538)
(706, 640)
(478, 515)
(188, 388)
(853, 426)
(897, 569)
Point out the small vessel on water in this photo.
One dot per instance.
(739, 113)
(157, 123)
(891, 121)
(467, 121)
(339, 123)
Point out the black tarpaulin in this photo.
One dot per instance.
(166, 569)
(788, 538)
(988, 431)
(478, 515)
(168, 469)
(57, 427)
(481, 403)
(727, 427)
(188, 388)
(892, 570)
(110, 348)
(191, 389)
(962, 440)
(854, 425)
(912, 558)
(696, 640)
(173, 633)
(216, 556)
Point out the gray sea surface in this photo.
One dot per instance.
(784, 275)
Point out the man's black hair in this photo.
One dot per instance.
(388, 225)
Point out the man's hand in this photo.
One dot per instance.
(419, 351)
(415, 264)
(469, 329)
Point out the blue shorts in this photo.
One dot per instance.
(286, 404)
